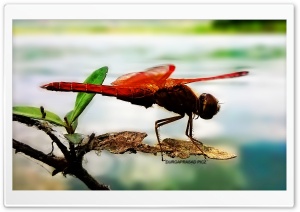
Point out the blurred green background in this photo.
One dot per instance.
(251, 122)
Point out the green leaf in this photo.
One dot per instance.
(74, 123)
(35, 112)
(75, 138)
(83, 99)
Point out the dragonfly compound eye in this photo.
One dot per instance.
(208, 106)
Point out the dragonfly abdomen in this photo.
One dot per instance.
(135, 95)
(80, 87)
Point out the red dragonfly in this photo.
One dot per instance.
(153, 86)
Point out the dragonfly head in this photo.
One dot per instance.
(208, 106)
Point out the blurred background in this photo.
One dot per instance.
(250, 124)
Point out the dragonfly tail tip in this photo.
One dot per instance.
(46, 86)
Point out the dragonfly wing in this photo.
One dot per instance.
(155, 75)
(172, 82)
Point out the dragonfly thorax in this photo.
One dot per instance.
(179, 99)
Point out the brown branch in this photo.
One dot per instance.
(116, 143)
(121, 142)
(58, 163)
(78, 171)
(70, 164)
(44, 127)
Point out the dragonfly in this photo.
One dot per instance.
(154, 86)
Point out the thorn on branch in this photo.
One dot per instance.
(55, 172)
(43, 112)
(52, 146)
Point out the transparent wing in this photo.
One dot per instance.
(171, 82)
(155, 75)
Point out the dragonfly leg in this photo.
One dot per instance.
(189, 133)
(162, 122)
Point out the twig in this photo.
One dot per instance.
(48, 130)
(67, 165)
(58, 163)
(85, 148)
